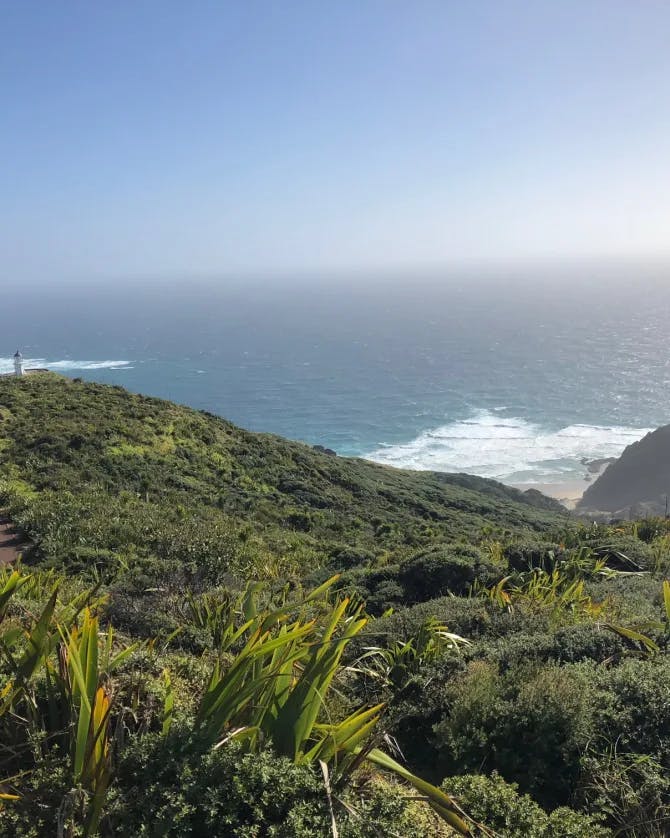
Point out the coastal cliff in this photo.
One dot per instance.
(638, 482)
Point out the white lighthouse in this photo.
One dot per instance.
(18, 363)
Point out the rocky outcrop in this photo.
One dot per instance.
(637, 483)
(323, 450)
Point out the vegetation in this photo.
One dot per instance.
(96, 475)
(217, 632)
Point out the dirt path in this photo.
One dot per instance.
(10, 543)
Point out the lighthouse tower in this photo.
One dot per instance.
(18, 363)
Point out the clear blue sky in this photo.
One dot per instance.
(142, 138)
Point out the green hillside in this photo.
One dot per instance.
(216, 632)
(91, 466)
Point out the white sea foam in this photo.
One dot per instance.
(7, 364)
(86, 365)
(512, 450)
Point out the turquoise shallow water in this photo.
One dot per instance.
(506, 379)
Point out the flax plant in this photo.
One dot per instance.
(84, 662)
(642, 642)
(75, 662)
(403, 659)
(276, 690)
(555, 591)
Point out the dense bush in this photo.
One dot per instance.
(443, 569)
(635, 707)
(46, 792)
(89, 465)
(587, 641)
(524, 555)
(499, 805)
(632, 599)
(515, 648)
(172, 788)
(529, 724)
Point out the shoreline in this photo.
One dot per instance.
(569, 492)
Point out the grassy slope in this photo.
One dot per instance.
(93, 465)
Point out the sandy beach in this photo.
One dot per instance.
(568, 493)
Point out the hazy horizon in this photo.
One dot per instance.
(153, 139)
(570, 275)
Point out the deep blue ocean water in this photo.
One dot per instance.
(514, 378)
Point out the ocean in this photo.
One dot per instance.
(518, 377)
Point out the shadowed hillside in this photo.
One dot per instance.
(640, 476)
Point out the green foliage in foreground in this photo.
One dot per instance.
(270, 682)
(169, 788)
(85, 718)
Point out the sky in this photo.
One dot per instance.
(152, 138)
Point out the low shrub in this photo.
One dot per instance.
(587, 641)
(172, 788)
(500, 806)
(523, 556)
(635, 706)
(442, 570)
(530, 724)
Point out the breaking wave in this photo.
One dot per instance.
(7, 364)
(509, 449)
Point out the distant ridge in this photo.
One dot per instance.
(638, 482)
